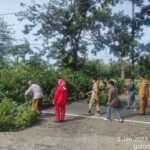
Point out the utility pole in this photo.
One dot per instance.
(133, 36)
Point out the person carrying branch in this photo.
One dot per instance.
(37, 92)
(94, 97)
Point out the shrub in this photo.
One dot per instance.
(103, 97)
(13, 81)
(24, 117)
(6, 123)
(14, 117)
(120, 83)
(7, 107)
(78, 83)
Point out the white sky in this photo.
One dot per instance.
(10, 6)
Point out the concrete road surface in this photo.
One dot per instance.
(80, 132)
(80, 108)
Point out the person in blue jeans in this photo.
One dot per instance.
(112, 103)
(131, 101)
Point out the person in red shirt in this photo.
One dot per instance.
(60, 100)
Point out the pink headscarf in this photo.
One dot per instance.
(62, 84)
(61, 93)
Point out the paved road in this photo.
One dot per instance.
(81, 133)
(81, 108)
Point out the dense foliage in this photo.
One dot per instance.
(13, 82)
(14, 117)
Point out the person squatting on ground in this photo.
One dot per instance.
(112, 102)
(60, 100)
(131, 101)
(95, 94)
(143, 94)
(36, 91)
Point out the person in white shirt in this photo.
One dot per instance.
(36, 91)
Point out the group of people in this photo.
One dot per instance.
(112, 103)
(59, 100)
(61, 97)
(143, 93)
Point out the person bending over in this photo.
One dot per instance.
(37, 92)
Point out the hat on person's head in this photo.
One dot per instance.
(30, 82)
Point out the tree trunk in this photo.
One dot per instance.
(122, 70)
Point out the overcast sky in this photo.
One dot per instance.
(10, 6)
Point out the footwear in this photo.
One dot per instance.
(127, 108)
(39, 114)
(106, 119)
(120, 120)
(56, 121)
(62, 121)
(135, 109)
(97, 114)
(142, 113)
(89, 113)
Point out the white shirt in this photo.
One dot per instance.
(35, 90)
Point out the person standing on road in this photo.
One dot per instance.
(36, 91)
(94, 97)
(143, 94)
(112, 102)
(131, 101)
(60, 100)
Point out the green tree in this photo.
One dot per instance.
(64, 26)
(144, 60)
(96, 68)
(117, 38)
(5, 41)
(21, 51)
(8, 50)
(120, 36)
(143, 19)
